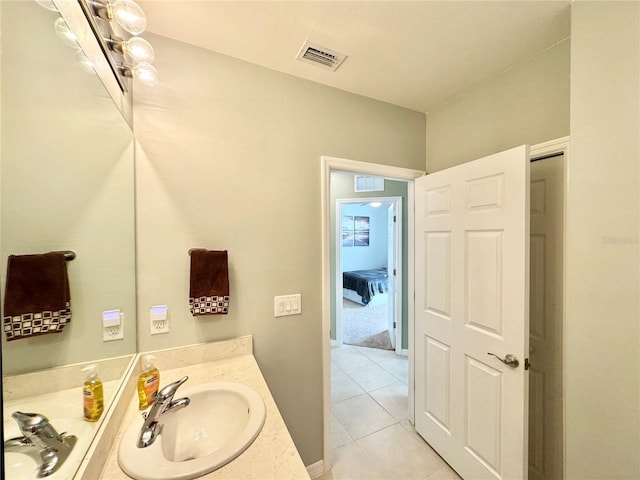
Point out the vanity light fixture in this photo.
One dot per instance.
(85, 62)
(145, 72)
(48, 4)
(137, 48)
(65, 33)
(127, 13)
(128, 58)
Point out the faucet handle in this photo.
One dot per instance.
(170, 390)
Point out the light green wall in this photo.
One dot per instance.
(528, 103)
(66, 185)
(228, 157)
(342, 187)
(602, 336)
(532, 103)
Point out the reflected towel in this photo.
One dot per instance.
(37, 299)
(209, 282)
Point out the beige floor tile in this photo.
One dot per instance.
(376, 353)
(400, 455)
(372, 377)
(446, 473)
(396, 366)
(339, 435)
(343, 387)
(394, 399)
(361, 416)
(349, 463)
(349, 358)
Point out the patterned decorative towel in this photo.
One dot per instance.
(209, 283)
(37, 299)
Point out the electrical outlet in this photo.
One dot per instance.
(159, 317)
(112, 325)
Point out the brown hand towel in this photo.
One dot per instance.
(36, 299)
(209, 284)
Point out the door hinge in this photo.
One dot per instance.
(394, 324)
(394, 272)
(395, 219)
(526, 364)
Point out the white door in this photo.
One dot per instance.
(391, 272)
(545, 376)
(472, 300)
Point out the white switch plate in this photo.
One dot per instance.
(112, 325)
(159, 318)
(284, 305)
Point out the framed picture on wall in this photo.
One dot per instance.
(348, 230)
(361, 231)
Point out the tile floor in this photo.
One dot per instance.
(371, 436)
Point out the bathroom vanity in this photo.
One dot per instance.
(272, 455)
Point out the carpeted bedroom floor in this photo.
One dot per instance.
(365, 326)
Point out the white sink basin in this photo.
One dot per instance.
(221, 421)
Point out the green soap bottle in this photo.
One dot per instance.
(92, 395)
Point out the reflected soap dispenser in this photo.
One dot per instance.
(92, 395)
(148, 382)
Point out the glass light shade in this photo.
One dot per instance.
(84, 62)
(129, 16)
(139, 50)
(48, 4)
(65, 33)
(147, 74)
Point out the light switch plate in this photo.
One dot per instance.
(284, 305)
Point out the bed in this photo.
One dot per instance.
(366, 287)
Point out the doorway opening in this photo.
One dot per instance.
(368, 284)
(331, 167)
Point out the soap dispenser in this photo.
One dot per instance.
(92, 395)
(148, 382)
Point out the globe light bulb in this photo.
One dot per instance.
(65, 33)
(147, 74)
(139, 50)
(85, 63)
(48, 4)
(129, 16)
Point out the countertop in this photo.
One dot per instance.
(272, 456)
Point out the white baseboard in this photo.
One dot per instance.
(316, 470)
(404, 352)
(334, 343)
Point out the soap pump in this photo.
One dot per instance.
(148, 382)
(92, 395)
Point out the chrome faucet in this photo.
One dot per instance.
(41, 442)
(164, 403)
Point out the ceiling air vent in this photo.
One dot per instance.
(320, 56)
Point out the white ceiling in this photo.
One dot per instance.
(415, 54)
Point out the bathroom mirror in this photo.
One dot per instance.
(66, 183)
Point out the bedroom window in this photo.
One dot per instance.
(363, 183)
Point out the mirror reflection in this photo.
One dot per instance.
(66, 183)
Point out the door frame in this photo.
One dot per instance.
(328, 165)
(397, 254)
(554, 147)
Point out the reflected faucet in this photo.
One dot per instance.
(163, 404)
(41, 442)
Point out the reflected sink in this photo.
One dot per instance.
(221, 421)
(24, 465)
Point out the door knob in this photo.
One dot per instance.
(510, 359)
